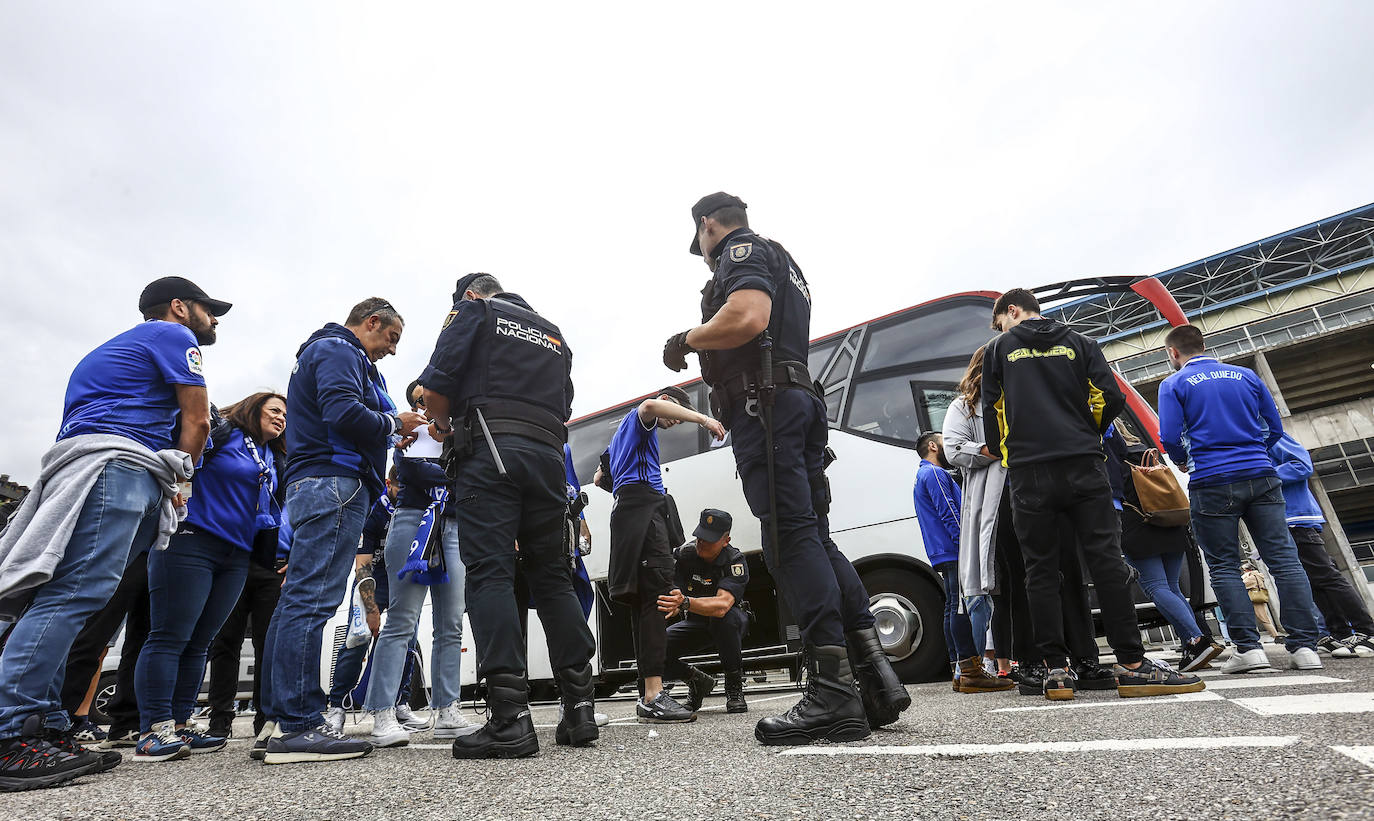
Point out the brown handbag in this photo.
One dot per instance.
(1162, 500)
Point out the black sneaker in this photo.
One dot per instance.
(321, 743)
(663, 710)
(1198, 653)
(120, 737)
(1093, 676)
(1154, 679)
(1059, 684)
(1031, 680)
(258, 749)
(28, 761)
(85, 731)
(101, 760)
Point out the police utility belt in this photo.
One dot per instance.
(498, 417)
(749, 386)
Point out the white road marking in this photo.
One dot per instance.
(1119, 702)
(1103, 745)
(1364, 755)
(1311, 704)
(1271, 681)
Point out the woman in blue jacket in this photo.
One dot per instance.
(194, 584)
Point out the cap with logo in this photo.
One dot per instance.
(713, 526)
(161, 291)
(705, 207)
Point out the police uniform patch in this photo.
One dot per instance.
(737, 569)
(193, 363)
(741, 252)
(448, 320)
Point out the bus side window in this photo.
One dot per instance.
(884, 407)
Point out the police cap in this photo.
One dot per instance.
(164, 290)
(705, 207)
(713, 526)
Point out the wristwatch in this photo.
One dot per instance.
(685, 607)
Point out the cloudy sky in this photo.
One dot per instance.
(296, 157)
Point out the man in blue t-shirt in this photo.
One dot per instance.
(1218, 421)
(641, 561)
(147, 387)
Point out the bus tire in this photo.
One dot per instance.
(904, 594)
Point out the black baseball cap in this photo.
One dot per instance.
(170, 288)
(713, 526)
(705, 207)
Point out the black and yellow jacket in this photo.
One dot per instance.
(1047, 394)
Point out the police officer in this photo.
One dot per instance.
(753, 343)
(499, 384)
(711, 576)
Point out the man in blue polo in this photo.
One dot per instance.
(135, 420)
(1218, 421)
(342, 422)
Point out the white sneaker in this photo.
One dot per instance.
(334, 717)
(1304, 658)
(386, 732)
(451, 723)
(1360, 645)
(409, 720)
(1251, 661)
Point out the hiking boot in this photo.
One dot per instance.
(1154, 679)
(451, 723)
(699, 686)
(334, 717)
(880, 691)
(258, 750)
(1304, 658)
(86, 731)
(29, 761)
(1198, 653)
(829, 710)
(1250, 661)
(954, 676)
(162, 744)
(386, 731)
(974, 678)
(509, 733)
(1090, 675)
(734, 693)
(663, 709)
(407, 719)
(1032, 680)
(102, 760)
(316, 744)
(1059, 684)
(577, 725)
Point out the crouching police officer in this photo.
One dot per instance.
(499, 385)
(753, 343)
(711, 577)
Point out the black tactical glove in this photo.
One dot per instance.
(675, 352)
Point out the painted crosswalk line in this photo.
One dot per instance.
(1364, 755)
(1309, 704)
(1114, 702)
(1230, 683)
(1102, 745)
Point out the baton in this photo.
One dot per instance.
(491, 443)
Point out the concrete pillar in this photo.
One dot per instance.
(1332, 533)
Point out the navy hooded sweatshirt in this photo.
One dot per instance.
(339, 410)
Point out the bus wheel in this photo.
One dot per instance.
(909, 612)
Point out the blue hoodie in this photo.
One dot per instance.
(937, 501)
(1294, 465)
(339, 410)
(1218, 420)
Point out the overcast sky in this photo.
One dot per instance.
(294, 158)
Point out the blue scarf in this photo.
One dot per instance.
(268, 514)
(419, 563)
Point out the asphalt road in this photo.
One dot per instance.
(1259, 746)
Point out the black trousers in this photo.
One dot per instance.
(653, 579)
(1342, 609)
(1076, 488)
(493, 513)
(696, 634)
(128, 606)
(253, 610)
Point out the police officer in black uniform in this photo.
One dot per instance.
(711, 576)
(753, 344)
(498, 387)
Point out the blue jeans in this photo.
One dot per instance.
(405, 600)
(979, 609)
(326, 513)
(1159, 580)
(1259, 503)
(350, 677)
(118, 520)
(958, 631)
(192, 587)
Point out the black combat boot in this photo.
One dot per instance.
(734, 693)
(883, 695)
(509, 733)
(829, 709)
(699, 686)
(577, 727)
